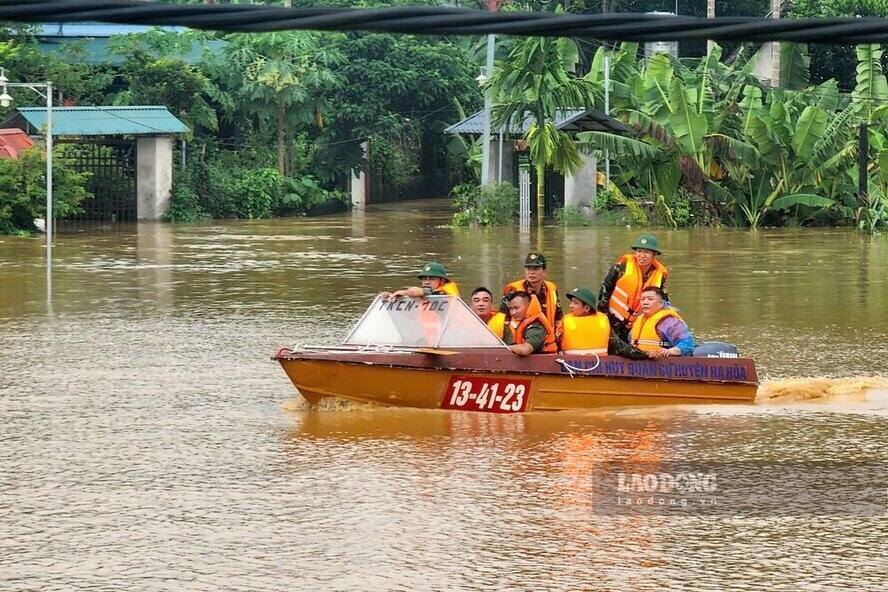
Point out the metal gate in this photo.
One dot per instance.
(112, 164)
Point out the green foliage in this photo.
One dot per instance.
(835, 61)
(306, 99)
(242, 184)
(571, 216)
(492, 205)
(401, 91)
(871, 91)
(185, 204)
(156, 73)
(23, 190)
(718, 137)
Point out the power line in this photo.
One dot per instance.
(444, 20)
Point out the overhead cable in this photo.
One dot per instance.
(445, 20)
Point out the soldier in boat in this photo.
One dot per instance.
(620, 294)
(482, 306)
(433, 280)
(587, 331)
(659, 330)
(528, 331)
(536, 284)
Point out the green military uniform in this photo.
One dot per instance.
(535, 259)
(534, 334)
(614, 273)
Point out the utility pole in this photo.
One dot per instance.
(710, 13)
(486, 177)
(607, 84)
(488, 113)
(775, 47)
(863, 164)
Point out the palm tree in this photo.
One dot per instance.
(537, 80)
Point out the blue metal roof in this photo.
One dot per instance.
(96, 29)
(100, 121)
(94, 37)
(571, 120)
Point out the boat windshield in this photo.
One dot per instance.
(433, 321)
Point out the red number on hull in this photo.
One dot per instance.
(490, 395)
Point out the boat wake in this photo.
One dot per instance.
(326, 404)
(855, 389)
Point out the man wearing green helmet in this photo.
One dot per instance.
(587, 331)
(620, 294)
(433, 280)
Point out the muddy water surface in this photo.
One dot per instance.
(148, 443)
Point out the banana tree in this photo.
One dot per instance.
(685, 117)
(535, 82)
(868, 100)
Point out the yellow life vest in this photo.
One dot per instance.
(551, 304)
(450, 289)
(644, 334)
(626, 296)
(585, 335)
(535, 315)
(497, 324)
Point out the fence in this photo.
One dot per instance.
(112, 164)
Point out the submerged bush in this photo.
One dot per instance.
(23, 190)
(571, 216)
(219, 187)
(492, 205)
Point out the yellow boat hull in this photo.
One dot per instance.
(434, 382)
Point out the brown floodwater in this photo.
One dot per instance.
(148, 442)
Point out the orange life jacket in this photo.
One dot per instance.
(497, 324)
(626, 296)
(431, 320)
(585, 335)
(449, 288)
(644, 334)
(551, 296)
(535, 314)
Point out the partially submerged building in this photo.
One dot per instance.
(128, 151)
(575, 190)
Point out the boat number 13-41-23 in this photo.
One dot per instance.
(493, 395)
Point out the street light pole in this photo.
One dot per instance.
(5, 101)
(48, 178)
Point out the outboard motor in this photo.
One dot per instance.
(716, 349)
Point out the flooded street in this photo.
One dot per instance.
(148, 442)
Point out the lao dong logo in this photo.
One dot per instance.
(666, 483)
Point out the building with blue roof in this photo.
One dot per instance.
(95, 37)
(128, 150)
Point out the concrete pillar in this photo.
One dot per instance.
(357, 185)
(581, 188)
(767, 65)
(524, 201)
(154, 177)
(508, 176)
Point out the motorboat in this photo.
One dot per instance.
(435, 353)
